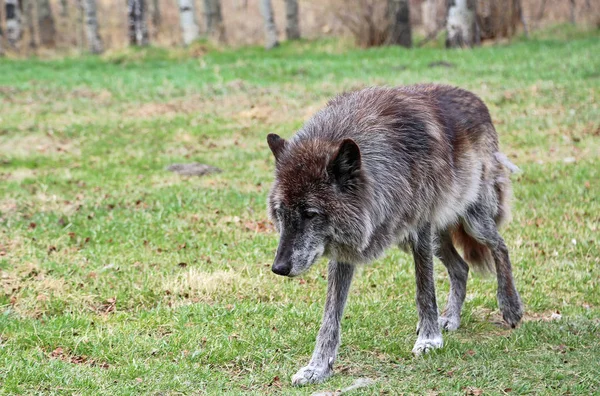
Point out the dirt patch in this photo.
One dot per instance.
(61, 354)
(193, 169)
(24, 146)
(8, 205)
(245, 107)
(18, 175)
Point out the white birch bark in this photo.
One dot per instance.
(14, 28)
(138, 28)
(91, 26)
(266, 10)
(292, 17)
(187, 21)
(461, 24)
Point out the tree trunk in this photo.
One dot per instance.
(1, 36)
(429, 16)
(91, 27)
(156, 17)
(215, 28)
(187, 21)
(461, 24)
(292, 27)
(572, 11)
(138, 29)
(30, 22)
(399, 28)
(14, 28)
(64, 8)
(266, 9)
(46, 27)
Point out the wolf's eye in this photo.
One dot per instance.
(311, 214)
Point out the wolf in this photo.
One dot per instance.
(414, 166)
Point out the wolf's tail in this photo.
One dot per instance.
(476, 254)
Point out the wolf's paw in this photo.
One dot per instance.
(424, 345)
(512, 308)
(311, 375)
(449, 322)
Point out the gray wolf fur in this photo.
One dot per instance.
(416, 166)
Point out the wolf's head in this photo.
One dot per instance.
(314, 200)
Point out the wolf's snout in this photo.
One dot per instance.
(283, 259)
(281, 268)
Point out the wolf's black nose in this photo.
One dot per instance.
(281, 269)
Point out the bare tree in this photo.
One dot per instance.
(138, 29)
(187, 21)
(215, 28)
(399, 24)
(367, 20)
(1, 35)
(46, 26)
(266, 9)
(30, 22)
(572, 11)
(292, 27)
(14, 29)
(91, 26)
(64, 8)
(156, 17)
(461, 24)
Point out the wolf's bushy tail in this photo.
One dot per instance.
(476, 254)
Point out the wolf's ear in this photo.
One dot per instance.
(276, 144)
(345, 164)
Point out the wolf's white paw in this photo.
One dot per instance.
(450, 322)
(424, 345)
(311, 375)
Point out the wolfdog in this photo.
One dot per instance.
(416, 166)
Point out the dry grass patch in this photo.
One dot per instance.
(35, 144)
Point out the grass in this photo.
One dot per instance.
(118, 277)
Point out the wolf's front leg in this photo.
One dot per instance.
(328, 339)
(430, 336)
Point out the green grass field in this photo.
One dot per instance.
(118, 277)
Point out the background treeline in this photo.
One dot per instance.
(34, 26)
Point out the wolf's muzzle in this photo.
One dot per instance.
(281, 268)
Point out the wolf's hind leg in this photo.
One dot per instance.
(482, 227)
(320, 366)
(430, 336)
(458, 271)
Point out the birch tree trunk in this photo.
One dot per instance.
(30, 22)
(47, 29)
(292, 28)
(187, 20)
(138, 29)
(429, 16)
(215, 28)
(14, 28)
(266, 9)
(91, 26)
(399, 29)
(461, 24)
